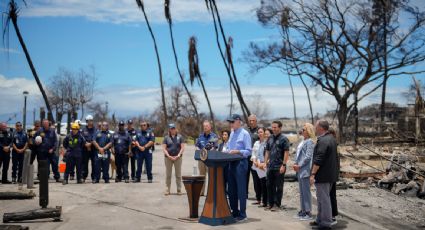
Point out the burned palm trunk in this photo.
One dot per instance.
(195, 73)
(211, 5)
(170, 26)
(45, 213)
(16, 195)
(141, 6)
(12, 16)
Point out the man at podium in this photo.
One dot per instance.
(239, 143)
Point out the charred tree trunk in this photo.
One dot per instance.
(181, 75)
(293, 102)
(34, 72)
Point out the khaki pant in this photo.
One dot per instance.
(203, 169)
(177, 170)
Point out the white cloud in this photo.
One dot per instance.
(128, 100)
(126, 11)
(12, 99)
(9, 50)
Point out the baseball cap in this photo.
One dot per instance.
(129, 121)
(89, 118)
(171, 126)
(121, 123)
(234, 117)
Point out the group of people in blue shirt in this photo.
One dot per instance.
(97, 146)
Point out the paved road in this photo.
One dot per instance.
(143, 205)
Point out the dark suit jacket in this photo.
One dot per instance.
(325, 156)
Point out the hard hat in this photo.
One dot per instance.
(89, 118)
(75, 125)
(77, 121)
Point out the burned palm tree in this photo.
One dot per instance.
(196, 74)
(141, 6)
(170, 26)
(228, 63)
(12, 14)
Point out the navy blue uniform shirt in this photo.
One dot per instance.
(49, 140)
(143, 137)
(203, 140)
(20, 139)
(121, 141)
(103, 138)
(5, 139)
(74, 144)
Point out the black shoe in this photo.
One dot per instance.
(20, 180)
(150, 181)
(321, 227)
(84, 181)
(313, 224)
(6, 182)
(58, 180)
(71, 177)
(127, 181)
(137, 180)
(64, 182)
(106, 181)
(117, 180)
(95, 182)
(80, 181)
(14, 180)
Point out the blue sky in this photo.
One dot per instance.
(112, 36)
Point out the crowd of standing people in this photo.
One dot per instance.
(264, 152)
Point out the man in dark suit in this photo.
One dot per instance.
(324, 174)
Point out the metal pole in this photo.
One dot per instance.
(27, 156)
(25, 111)
(43, 168)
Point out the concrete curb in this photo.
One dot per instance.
(354, 217)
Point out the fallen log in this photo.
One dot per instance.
(13, 227)
(16, 195)
(44, 213)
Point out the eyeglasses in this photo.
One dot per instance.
(143, 125)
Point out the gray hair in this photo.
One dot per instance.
(324, 124)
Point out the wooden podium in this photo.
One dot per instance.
(216, 208)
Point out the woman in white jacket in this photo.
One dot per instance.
(257, 159)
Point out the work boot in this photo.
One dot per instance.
(80, 181)
(71, 177)
(127, 181)
(117, 180)
(14, 180)
(58, 180)
(64, 182)
(6, 182)
(137, 180)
